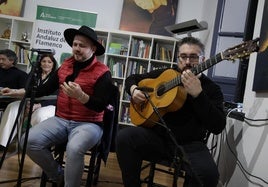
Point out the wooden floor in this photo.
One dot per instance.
(110, 175)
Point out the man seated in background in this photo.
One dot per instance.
(10, 76)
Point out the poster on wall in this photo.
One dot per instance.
(50, 25)
(11, 7)
(261, 71)
(148, 16)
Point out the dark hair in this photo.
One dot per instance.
(191, 41)
(11, 55)
(55, 65)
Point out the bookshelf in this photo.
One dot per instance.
(130, 53)
(16, 34)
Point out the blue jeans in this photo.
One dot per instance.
(80, 137)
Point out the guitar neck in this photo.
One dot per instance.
(207, 64)
(196, 70)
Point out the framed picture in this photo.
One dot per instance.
(12, 7)
(148, 16)
(261, 71)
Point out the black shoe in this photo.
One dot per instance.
(59, 182)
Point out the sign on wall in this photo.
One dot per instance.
(50, 25)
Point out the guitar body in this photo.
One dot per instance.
(172, 100)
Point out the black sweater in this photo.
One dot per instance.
(12, 78)
(197, 116)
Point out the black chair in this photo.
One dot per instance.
(101, 150)
(175, 167)
(167, 166)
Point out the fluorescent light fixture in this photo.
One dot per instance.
(187, 27)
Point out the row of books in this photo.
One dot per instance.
(22, 54)
(125, 116)
(126, 96)
(119, 84)
(136, 67)
(116, 67)
(162, 53)
(140, 49)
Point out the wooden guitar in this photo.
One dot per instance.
(166, 91)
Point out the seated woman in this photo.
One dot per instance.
(41, 110)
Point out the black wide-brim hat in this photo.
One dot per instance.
(69, 35)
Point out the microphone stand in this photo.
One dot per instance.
(31, 87)
(179, 153)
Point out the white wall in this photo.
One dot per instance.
(248, 142)
(202, 10)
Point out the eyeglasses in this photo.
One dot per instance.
(192, 58)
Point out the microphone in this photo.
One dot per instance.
(145, 89)
(52, 51)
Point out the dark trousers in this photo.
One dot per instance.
(135, 144)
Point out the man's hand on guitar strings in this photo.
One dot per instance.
(137, 95)
(191, 83)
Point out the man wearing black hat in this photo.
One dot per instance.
(83, 84)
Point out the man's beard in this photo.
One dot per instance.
(187, 67)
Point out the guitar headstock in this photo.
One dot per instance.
(242, 50)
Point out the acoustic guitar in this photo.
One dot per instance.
(166, 93)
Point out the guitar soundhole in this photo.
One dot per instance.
(161, 90)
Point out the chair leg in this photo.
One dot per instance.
(151, 175)
(91, 168)
(175, 177)
(97, 170)
(43, 180)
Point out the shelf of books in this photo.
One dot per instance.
(130, 53)
(16, 34)
(126, 53)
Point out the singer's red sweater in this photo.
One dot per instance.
(70, 108)
(99, 91)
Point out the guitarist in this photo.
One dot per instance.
(201, 113)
